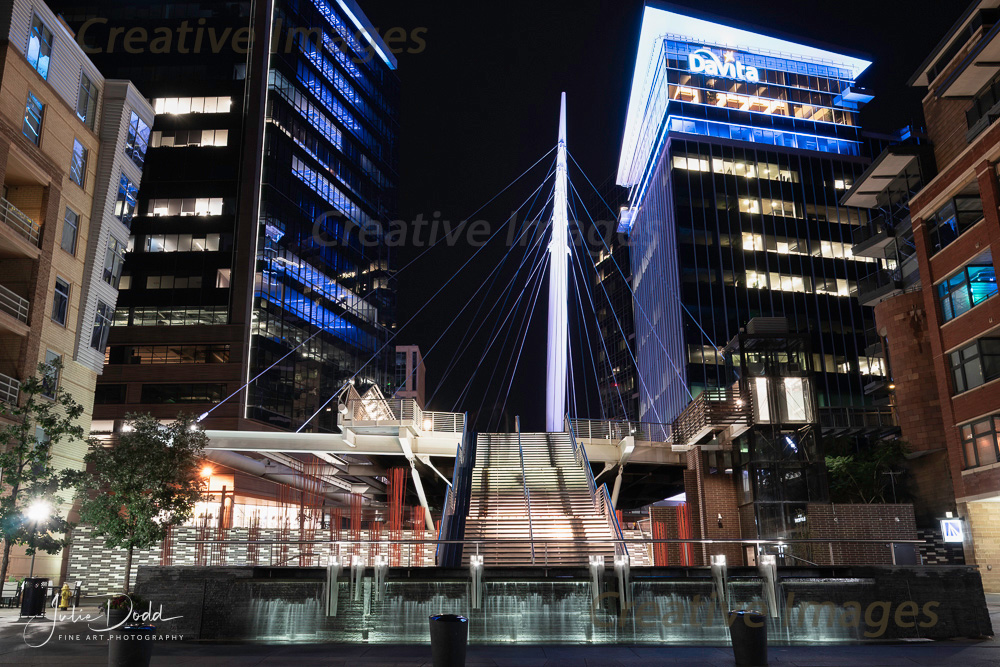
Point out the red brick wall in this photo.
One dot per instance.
(858, 521)
(710, 494)
(917, 403)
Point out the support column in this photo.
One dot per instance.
(558, 335)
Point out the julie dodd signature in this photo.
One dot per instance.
(93, 620)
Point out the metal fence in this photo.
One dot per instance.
(18, 221)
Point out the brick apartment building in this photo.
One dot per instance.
(956, 236)
(72, 146)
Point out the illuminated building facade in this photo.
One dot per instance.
(271, 163)
(737, 149)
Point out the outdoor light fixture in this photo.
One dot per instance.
(428, 425)
(38, 511)
(206, 471)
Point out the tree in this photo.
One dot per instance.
(874, 474)
(145, 483)
(44, 416)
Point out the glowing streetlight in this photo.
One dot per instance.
(206, 471)
(37, 511)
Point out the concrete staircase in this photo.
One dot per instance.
(561, 505)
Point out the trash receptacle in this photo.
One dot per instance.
(33, 593)
(748, 631)
(449, 637)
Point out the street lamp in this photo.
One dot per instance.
(37, 512)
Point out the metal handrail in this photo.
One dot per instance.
(14, 305)
(611, 517)
(527, 494)
(666, 540)
(19, 222)
(10, 389)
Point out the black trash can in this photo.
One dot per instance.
(748, 630)
(449, 637)
(131, 646)
(33, 596)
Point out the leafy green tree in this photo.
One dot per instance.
(43, 417)
(875, 474)
(145, 483)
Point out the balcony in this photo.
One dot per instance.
(13, 307)
(872, 240)
(14, 219)
(879, 421)
(878, 286)
(713, 411)
(9, 389)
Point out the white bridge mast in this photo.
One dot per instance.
(558, 341)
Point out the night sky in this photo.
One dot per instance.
(480, 105)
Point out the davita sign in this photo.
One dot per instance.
(705, 62)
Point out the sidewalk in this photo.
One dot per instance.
(82, 652)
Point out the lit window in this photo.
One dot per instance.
(39, 47)
(979, 442)
(78, 165)
(192, 104)
(60, 302)
(125, 204)
(138, 140)
(33, 119)
(966, 289)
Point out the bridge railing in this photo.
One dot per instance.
(404, 412)
(602, 499)
(419, 552)
(615, 431)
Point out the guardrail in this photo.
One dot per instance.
(456, 502)
(14, 305)
(10, 389)
(580, 454)
(19, 222)
(715, 409)
(378, 411)
(527, 494)
(603, 499)
(615, 431)
(290, 553)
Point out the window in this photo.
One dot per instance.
(954, 219)
(182, 243)
(33, 119)
(192, 104)
(114, 257)
(86, 101)
(976, 364)
(182, 393)
(187, 206)
(50, 383)
(102, 326)
(182, 138)
(106, 394)
(168, 354)
(71, 223)
(173, 282)
(60, 302)
(968, 288)
(78, 166)
(125, 205)
(39, 47)
(979, 442)
(138, 140)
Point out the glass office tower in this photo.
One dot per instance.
(737, 148)
(271, 164)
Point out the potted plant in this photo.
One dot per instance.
(129, 641)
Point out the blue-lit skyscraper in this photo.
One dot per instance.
(272, 165)
(737, 148)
